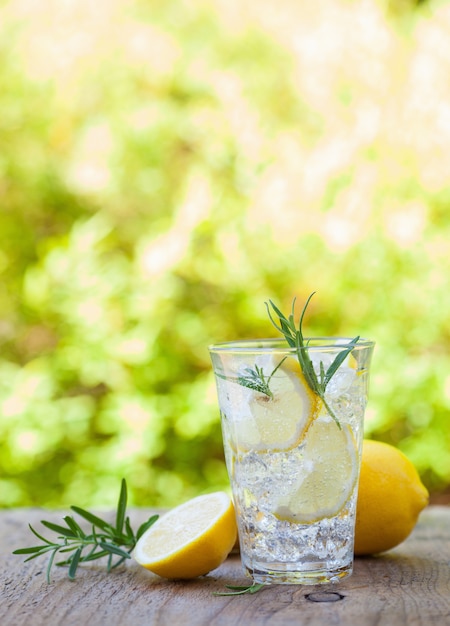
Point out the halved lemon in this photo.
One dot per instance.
(279, 422)
(190, 540)
(330, 458)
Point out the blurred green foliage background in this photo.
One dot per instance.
(165, 168)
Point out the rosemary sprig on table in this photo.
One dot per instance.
(254, 378)
(239, 590)
(295, 339)
(115, 542)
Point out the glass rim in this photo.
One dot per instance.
(318, 344)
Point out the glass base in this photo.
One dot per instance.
(311, 574)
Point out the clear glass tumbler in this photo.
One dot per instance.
(293, 451)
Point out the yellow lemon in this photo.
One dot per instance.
(390, 498)
(190, 540)
(278, 422)
(330, 460)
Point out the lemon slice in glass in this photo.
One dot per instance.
(278, 423)
(330, 460)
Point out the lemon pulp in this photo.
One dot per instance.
(330, 459)
(279, 422)
(191, 539)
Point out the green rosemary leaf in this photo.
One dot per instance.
(119, 562)
(50, 543)
(69, 547)
(340, 358)
(114, 549)
(238, 590)
(93, 556)
(284, 328)
(129, 531)
(32, 550)
(306, 365)
(121, 507)
(302, 315)
(95, 535)
(74, 527)
(291, 318)
(91, 551)
(43, 551)
(322, 375)
(279, 365)
(146, 525)
(74, 564)
(255, 587)
(49, 564)
(65, 532)
(90, 517)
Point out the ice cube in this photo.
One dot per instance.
(342, 379)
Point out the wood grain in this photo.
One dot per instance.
(408, 586)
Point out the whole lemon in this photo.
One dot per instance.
(390, 498)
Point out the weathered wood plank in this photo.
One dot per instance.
(409, 586)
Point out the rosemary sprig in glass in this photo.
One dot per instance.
(254, 378)
(295, 339)
(115, 542)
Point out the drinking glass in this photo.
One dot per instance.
(293, 452)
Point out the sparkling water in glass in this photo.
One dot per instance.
(293, 456)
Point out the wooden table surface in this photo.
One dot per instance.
(409, 586)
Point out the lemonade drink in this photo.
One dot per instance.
(293, 453)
